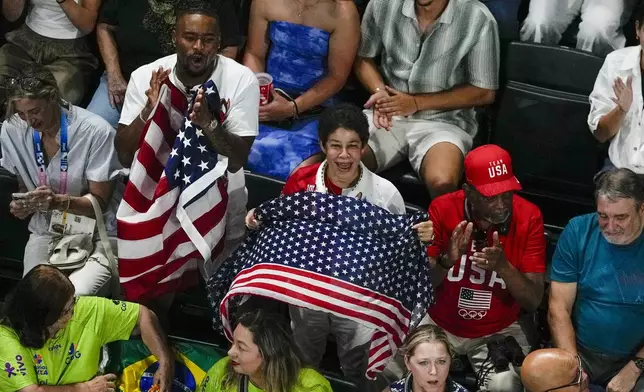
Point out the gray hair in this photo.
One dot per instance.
(33, 82)
(617, 184)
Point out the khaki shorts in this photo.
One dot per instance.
(411, 139)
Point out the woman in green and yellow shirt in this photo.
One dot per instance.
(262, 359)
(50, 339)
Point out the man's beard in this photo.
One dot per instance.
(206, 70)
(498, 218)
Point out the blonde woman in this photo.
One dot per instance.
(428, 357)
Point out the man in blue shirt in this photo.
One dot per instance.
(596, 307)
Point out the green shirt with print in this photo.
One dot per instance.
(72, 356)
(308, 381)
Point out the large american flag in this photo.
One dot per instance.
(336, 254)
(173, 211)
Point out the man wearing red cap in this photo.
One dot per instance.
(489, 259)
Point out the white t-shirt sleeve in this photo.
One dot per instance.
(396, 203)
(135, 98)
(242, 118)
(103, 164)
(601, 102)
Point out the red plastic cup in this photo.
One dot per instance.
(265, 86)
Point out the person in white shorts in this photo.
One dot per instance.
(438, 60)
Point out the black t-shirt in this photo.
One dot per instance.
(143, 33)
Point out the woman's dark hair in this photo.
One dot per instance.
(638, 15)
(281, 363)
(345, 116)
(36, 303)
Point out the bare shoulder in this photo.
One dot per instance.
(270, 9)
(346, 11)
(341, 14)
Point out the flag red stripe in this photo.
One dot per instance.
(146, 284)
(205, 223)
(148, 157)
(324, 292)
(242, 277)
(140, 287)
(248, 289)
(142, 230)
(179, 102)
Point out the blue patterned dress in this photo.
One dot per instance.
(405, 385)
(297, 60)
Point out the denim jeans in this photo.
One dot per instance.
(100, 104)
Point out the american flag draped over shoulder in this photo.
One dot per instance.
(336, 254)
(174, 207)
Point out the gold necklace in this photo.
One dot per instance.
(305, 7)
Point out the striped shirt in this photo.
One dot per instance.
(461, 47)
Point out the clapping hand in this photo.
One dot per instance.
(156, 81)
(460, 241)
(201, 114)
(623, 93)
(491, 258)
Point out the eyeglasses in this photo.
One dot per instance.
(578, 380)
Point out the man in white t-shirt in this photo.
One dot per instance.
(197, 38)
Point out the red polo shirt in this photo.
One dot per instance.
(472, 302)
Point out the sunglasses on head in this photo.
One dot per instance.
(578, 379)
(25, 82)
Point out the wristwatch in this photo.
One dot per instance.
(213, 124)
(639, 362)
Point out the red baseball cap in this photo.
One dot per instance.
(489, 169)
